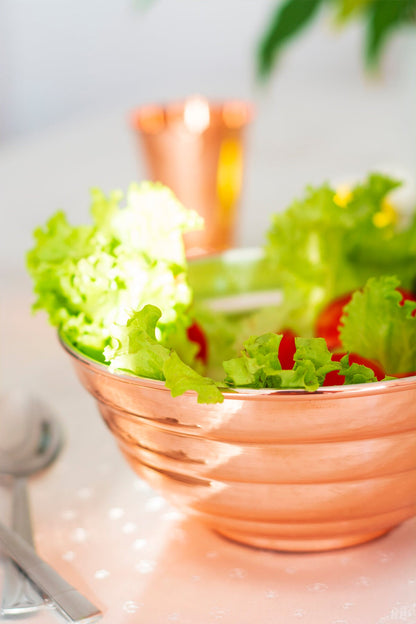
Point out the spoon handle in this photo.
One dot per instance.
(19, 594)
(21, 516)
(70, 602)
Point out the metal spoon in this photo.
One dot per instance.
(30, 440)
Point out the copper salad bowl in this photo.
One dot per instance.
(284, 470)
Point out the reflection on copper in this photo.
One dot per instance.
(196, 148)
(236, 114)
(229, 180)
(280, 470)
(196, 115)
(149, 119)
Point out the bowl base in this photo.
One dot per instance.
(300, 545)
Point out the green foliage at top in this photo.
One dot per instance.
(381, 17)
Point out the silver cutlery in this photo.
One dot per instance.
(30, 439)
(70, 603)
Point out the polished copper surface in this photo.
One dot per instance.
(196, 148)
(281, 470)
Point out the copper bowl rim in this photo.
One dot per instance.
(363, 389)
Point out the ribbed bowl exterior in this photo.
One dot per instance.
(282, 470)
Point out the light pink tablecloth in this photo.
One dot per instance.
(141, 561)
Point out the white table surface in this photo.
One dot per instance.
(120, 543)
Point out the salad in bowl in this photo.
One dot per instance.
(268, 392)
(120, 291)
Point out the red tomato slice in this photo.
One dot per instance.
(335, 379)
(196, 334)
(287, 349)
(328, 322)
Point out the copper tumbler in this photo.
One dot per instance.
(196, 148)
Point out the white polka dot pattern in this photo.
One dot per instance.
(142, 560)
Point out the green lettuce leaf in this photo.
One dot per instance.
(377, 327)
(174, 337)
(222, 333)
(259, 367)
(180, 378)
(314, 355)
(258, 363)
(90, 278)
(356, 373)
(134, 347)
(118, 290)
(322, 247)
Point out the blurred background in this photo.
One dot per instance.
(70, 72)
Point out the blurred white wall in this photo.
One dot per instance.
(66, 58)
(71, 69)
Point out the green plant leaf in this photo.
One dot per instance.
(383, 17)
(288, 19)
(348, 8)
(143, 5)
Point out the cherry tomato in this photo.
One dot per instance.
(329, 319)
(196, 334)
(328, 322)
(407, 296)
(335, 379)
(400, 375)
(287, 349)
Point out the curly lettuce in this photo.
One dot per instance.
(258, 366)
(118, 290)
(326, 245)
(378, 325)
(135, 349)
(91, 278)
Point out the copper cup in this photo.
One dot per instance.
(196, 148)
